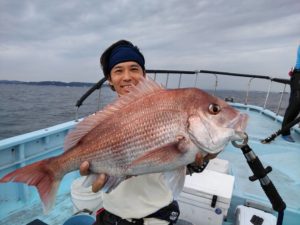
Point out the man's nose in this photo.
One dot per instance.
(127, 75)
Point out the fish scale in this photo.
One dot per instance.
(143, 140)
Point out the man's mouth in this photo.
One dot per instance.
(127, 87)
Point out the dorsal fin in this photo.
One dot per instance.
(145, 87)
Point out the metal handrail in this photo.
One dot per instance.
(179, 83)
(196, 80)
(235, 74)
(278, 80)
(97, 86)
(167, 81)
(247, 93)
(196, 72)
(268, 93)
(280, 101)
(216, 84)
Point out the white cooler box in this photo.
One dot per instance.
(218, 165)
(244, 215)
(206, 197)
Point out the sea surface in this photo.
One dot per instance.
(26, 108)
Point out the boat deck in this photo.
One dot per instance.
(282, 156)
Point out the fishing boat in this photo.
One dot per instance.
(254, 182)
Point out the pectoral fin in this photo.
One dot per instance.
(111, 183)
(158, 156)
(165, 154)
(175, 180)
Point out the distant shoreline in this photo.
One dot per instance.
(48, 83)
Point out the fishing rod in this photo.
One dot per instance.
(279, 132)
(260, 173)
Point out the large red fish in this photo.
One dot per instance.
(151, 129)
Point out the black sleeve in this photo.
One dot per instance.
(193, 168)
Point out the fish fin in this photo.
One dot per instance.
(160, 155)
(111, 183)
(89, 180)
(145, 87)
(166, 153)
(39, 175)
(183, 143)
(82, 128)
(175, 180)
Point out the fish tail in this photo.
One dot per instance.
(40, 175)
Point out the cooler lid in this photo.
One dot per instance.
(209, 183)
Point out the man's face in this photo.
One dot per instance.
(124, 76)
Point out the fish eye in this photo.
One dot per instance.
(214, 109)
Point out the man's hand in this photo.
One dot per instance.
(200, 163)
(198, 159)
(100, 180)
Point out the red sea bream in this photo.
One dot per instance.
(151, 129)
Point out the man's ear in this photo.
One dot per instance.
(111, 85)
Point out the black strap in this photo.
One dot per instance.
(168, 213)
(107, 218)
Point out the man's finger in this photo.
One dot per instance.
(199, 159)
(99, 183)
(84, 168)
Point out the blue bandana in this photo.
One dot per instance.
(124, 54)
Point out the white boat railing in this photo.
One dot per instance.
(155, 73)
(218, 73)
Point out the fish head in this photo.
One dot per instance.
(213, 123)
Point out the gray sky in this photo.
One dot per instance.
(62, 40)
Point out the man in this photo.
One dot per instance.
(293, 108)
(144, 199)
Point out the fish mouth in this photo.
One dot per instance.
(239, 125)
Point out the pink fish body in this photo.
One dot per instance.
(149, 130)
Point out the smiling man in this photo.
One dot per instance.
(124, 67)
(144, 199)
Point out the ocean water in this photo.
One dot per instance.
(26, 108)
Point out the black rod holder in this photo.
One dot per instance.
(260, 173)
